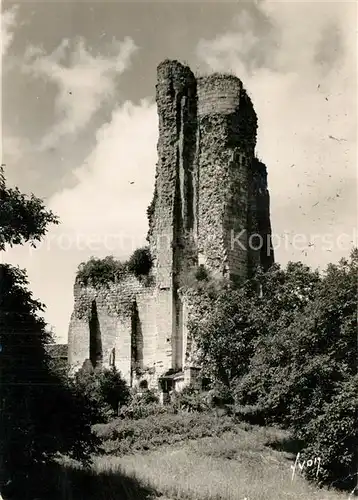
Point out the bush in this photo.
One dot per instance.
(332, 436)
(122, 436)
(142, 405)
(105, 389)
(140, 263)
(201, 274)
(220, 394)
(99, 272)
(191, 400)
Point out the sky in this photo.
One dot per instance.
(79, 121)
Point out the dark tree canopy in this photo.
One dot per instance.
(22, 218)
(40, 415)
(289, 356)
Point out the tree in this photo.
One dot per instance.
(303, 374)
(105, 388)
(40, 416)
(140, 262)
(229, 324)
(297, 364)
(223, 335)
(99, 272)
(289, 356)
(22, 218)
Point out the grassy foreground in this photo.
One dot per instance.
(240, 464)
(180, 456)
(236, 466)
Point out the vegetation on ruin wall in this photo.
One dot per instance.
(284, 345)
(102, 272)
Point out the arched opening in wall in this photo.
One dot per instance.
(136, 339)
(179, 331)
(143, 385)
(96, 354)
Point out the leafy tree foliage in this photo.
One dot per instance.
(40, 416)
(298, 365)
(140, 262)
(286, 346)
(333, 436)
(100, 272)
(106, 389)
(228, 323)
(224, 336)
(22, 218)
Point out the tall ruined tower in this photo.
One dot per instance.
(210, 207)
(211, 202)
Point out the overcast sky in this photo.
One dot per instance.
(79, 124)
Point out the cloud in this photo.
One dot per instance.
(104, 214)
(298, 63)
(8, 22)
(84, 81)
(14, 147)
(303, 85)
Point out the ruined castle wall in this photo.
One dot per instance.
(114, 308)
(227, 138)
(146, 304)
(253, 218)
(218, 94)
(79, 331)
(210, 197)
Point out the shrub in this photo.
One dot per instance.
(140, 263)
(221, 394)
(142, 405)
(190, 400)
(333, 437)
(99, 272)
(201, 273)
(136, 411)
(105, 388)
(122, 436)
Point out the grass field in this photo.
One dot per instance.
(242, 463)
(235, 466)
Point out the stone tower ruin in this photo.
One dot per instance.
(210, 207)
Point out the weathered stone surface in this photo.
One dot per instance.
(210, 201)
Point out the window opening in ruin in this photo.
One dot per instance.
(136, 339)
(179, 331)
(112, 357)
(96, 354)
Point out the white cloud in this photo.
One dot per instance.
(14, 148)
(8, 22)
(301, 75)
(83, 80)
(105, 214)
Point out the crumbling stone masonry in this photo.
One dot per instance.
(210, 207)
